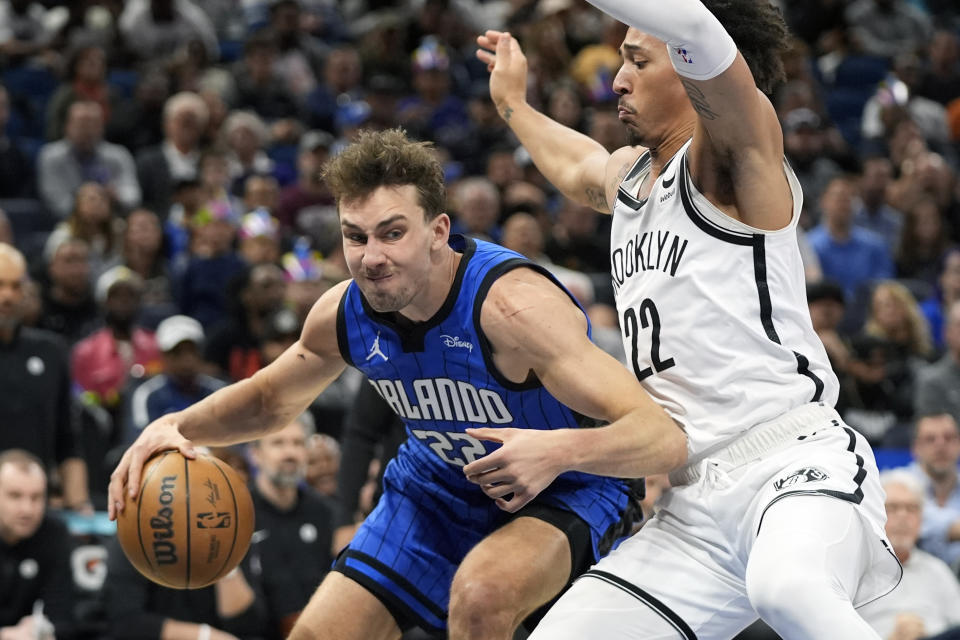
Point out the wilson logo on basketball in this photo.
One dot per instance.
(209, 520)
(164, 550)
(807, 474)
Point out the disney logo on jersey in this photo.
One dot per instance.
(443, 399)
(455, 341)
(803, 476)
(647, 253)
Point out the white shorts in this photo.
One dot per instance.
(689, 562)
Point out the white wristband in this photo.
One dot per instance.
(204, 632)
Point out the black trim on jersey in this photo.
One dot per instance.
(343, 341)
(485, 347)
(763, 289)
(412, 335)
(803, 368)
(622, 194)
(856, 497)
(700, 220)
(404, 615)
(758, 242)
(661, 609)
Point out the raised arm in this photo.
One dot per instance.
(248, 409)
(580, 167)
(534, 327)
(737, 142)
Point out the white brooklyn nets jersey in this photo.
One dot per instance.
(713, 312)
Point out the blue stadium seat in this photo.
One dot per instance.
(124, 81)
(861, 71)
(27, 215)
(30, 89)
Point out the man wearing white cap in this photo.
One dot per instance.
(180, 339)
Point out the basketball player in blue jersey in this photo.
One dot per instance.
(779, 510)
(454, 334)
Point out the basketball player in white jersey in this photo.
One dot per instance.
(779, 511)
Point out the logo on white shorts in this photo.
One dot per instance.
(802, 476)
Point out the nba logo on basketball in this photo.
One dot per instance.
(808, 474)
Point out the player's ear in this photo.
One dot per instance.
(440, 226)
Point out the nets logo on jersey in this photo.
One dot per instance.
(805, 475)
(444, 399)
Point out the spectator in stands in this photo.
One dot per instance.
(922, 174)
(475, 204)
(804, 144)
(16, 171)
(246, 137)
(161, 167)
(848, 254)
(215, 181)
(872, 212)
(143, 253)
(323, 464)
(6, 229)
(85, 80)
(138, 609)
(292, 545)
(282, 330)
(92, 220)
(182, 383)
(887, 27)
(258, 88)
(259, 238)
(826, 303)
(938, 385)
(342, 81)
(68, 305)
(300, 56)
(103, 363)
(936, 451)
(156, 28)
(434, 112)
(34, 555)
(83, 156)
(947, 293)
(211, 265)
(24, 30)
(940, 79)
(927, 600)
(306, 277)
(309, 190)
(577, 241)
(923, 243)
(138, 123)
(36, 411)
(261, 192)
(234, 345)
(896, 99)
(886, 356)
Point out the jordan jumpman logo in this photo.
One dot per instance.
(375, 349)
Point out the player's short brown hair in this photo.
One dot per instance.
(758, 29)
(387, 159)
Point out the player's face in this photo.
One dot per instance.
(904, 516)
(390, 246)
(22, 501)
(652, 100)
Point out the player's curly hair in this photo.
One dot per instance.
(387, 159)
(760, 34)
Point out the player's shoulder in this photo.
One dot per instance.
(320, 327)
(618, 168)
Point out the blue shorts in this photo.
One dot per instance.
(407, 551)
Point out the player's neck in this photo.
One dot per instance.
(667, 148)
(435, 291)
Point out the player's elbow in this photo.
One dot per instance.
(674, 448)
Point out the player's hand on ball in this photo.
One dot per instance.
(521, 466)
(507, 66)
(160, 435)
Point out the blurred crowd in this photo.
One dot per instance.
(160, 175)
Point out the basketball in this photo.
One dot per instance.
(191, 523)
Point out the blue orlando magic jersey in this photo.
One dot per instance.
(439, 377)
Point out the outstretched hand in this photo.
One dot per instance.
(523, 466)
(161, 435)
(508, 69)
